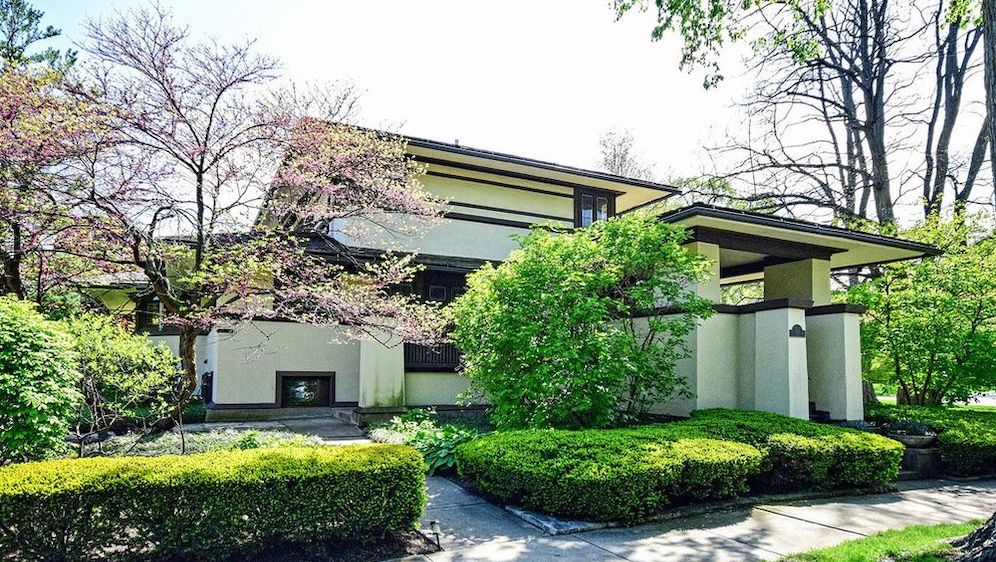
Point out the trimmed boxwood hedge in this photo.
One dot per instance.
(207, 506)
(630, 474)
(967, 438)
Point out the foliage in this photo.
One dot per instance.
(562, 333)
(920, 543)
(20, 27)
(248, 175)
(931, 324)
(191, 442)
(124, 380)
(41, 132)
(420, 429)
(604, 475)
(966, 437)
(633, 473)
(210, 506)
(38, 394)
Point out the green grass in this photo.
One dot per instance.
(920, 543)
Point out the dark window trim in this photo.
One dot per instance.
(281, 375)
(595, 194)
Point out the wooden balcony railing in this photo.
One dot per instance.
(443, 357)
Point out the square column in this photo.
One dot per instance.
(807, 280)
(834, 345)
(781, 383)
(709, 288)
(382, 375)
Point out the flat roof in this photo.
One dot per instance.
(749, 233)
(535, 163)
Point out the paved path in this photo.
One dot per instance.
(476, 530)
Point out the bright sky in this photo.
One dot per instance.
(538, 79)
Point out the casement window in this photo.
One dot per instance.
(591, 205)
(440, 286)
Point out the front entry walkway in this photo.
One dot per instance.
(473, 529)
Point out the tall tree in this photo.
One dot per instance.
(199, 134)
(619, 156)
(841, 105)
(40, 129)
(989, 48)
(20, 28)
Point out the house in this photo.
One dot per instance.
(792, 353)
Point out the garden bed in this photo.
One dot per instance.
(635, 474)
(966, 437)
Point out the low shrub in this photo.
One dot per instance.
(214, 506)
(421, 429)
(967, 438)
(630, 474)
(801, 454)
(603, 475)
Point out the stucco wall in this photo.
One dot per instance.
(202, 353)
(834, 348)
(434, 389)
(248, 359)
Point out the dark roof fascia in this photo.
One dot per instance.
(534, 163)
(343, 254)
(712, 211)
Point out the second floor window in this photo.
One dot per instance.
(591, 206)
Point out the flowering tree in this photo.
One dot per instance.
(41, 130)
(201, 142)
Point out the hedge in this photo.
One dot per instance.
(630, 474)
(967, 438)
(207, 506)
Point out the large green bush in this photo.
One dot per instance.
(124, 379)
(208, 506)
(561, 334)
(967, 438)
(630, 474)
(37, 383)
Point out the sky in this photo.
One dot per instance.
(539, 79)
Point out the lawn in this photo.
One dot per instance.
(920, 543)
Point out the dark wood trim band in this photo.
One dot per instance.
(498, 184)
(762, 244)
(510, 211)
(840, 308)
(751, 268)
(242, 406)
(774, 304)
(505, 173)
(488, 220)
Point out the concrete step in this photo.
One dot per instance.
(908, 475)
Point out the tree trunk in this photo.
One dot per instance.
(979, 546)
(868, 394)
(989, 49)
(188, 366)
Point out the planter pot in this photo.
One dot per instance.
(915, 441)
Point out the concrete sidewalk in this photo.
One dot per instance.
(476, 530)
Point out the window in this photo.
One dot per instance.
(440, 286)
(591, 206)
